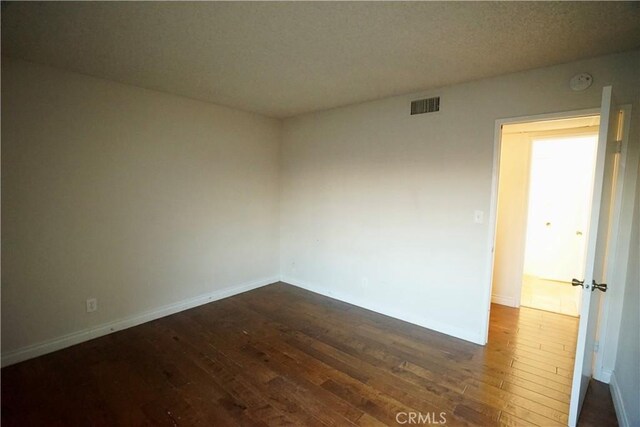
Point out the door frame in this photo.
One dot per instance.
(493, 210)
(603, 332)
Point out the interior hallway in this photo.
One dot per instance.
(280, 354)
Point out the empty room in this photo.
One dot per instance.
(320, 213)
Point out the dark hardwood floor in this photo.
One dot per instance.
(281, 355)
(598, 409)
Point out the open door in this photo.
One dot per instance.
(596, 252)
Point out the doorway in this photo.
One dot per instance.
(600, 258)
(544, 200)
(544, 193)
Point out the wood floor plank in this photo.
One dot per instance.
(280, 355)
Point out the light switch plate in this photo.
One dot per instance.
(92, 305)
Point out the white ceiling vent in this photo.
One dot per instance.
(429, 105)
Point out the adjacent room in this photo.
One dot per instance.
(320, 213)
(544, 197)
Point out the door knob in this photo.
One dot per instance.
(601, 287)
(576, 282)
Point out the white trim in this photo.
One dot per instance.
(493, 209)
(64, 341)
(493, 226)
(604, 376)
(618, 403)
(503, 300)
(466, 335)
(549, 116)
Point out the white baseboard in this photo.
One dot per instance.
(475, 338)
(68, 340)
(618, 404)
(503, 300)
(603, 375)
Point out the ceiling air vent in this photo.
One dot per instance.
(429, 105)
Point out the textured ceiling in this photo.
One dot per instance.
(283, 59)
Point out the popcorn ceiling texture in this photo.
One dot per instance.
(285, 59)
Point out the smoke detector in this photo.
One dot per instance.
(580, 82)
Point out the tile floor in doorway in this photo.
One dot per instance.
(550, 295)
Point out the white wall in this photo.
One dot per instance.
(625, 382)
(136, 197)
(511, 224)
(378, 206)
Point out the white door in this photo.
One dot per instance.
(596, 255)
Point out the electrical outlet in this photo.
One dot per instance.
(92, 305)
